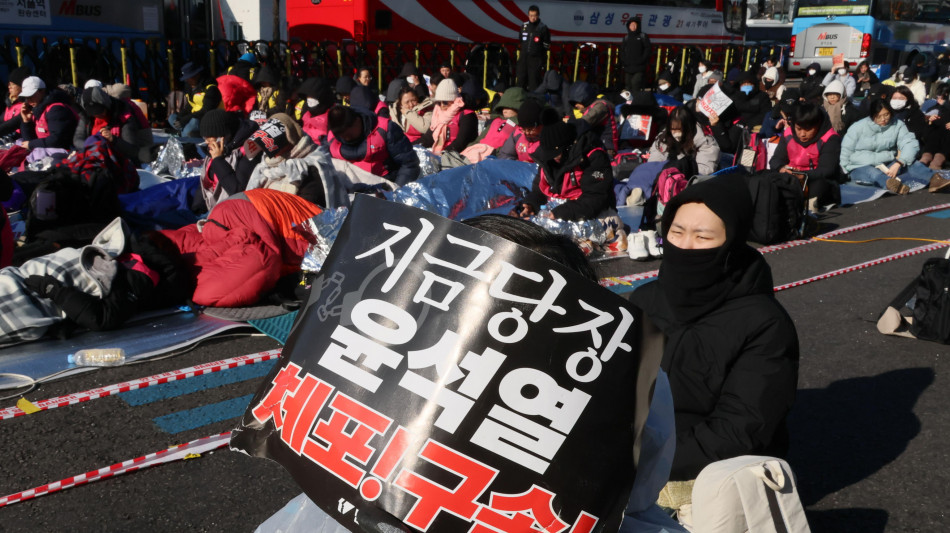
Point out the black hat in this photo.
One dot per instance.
(344, 85)
(363, 96)
(910, 73)
(529, 115)
(95, 101)
(191, 70)
(555, 140)
(217, 123)
(19, 74)
(408, 69)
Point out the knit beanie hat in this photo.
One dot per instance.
(344, 85)
(555, 140)
(447, 91)
(294, 130)
(17, 75)
(529, 115)
(217, 123)
(771, 73)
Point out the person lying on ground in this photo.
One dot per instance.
(575, 179)
(732, 350)
(684, 138)
(120, 123)
(48, 119)
(371, 143)
(226, 169)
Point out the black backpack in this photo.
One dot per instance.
(922, 309)
(779, 207)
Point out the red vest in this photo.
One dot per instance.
(315, 126)
(12, 111)
(611, 136)
(523, 147)
(805, 157)
(570, 186)
(377, 153)
(42, 128)
(453, 129)
(498, 132)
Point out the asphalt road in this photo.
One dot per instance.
(868, 427)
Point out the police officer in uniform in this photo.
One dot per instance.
(535, 42)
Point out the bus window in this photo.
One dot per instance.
(823, 8)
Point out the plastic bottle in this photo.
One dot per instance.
(97, 357)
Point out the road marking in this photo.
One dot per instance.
(204, 415)
(207, 381)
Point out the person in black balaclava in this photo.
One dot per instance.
(732, 350)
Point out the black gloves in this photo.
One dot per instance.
(44, 286)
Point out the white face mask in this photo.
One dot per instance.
(842, 72)
(898, 104)
(811, 72)
(312, 102)
(677, 135)
(702, 69)
(663, 86)
(412, 80)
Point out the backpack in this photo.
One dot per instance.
(756, 151)
(779, 207)
(927, 299)
(64, 199)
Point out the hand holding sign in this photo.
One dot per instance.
(714, 101)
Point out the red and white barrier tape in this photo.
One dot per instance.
(141, 383)
(183, 451)
(630, 278)
(859, 266)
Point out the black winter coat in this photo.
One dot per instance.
(596, 183)
(733, 373)
(635, 52)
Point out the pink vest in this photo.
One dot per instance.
(315, 126)
(136, 263)
(453, 129)
(570, 186)
(805, 157)
(12, 111)
(498, 132)
(524, 147)
(377, 152)
(42, 128)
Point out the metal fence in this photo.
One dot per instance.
(151, 67)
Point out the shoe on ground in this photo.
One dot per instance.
(938, 183)
(896, 186)
(653, 245)
(618, 243)
(586, 247)
(637, 247)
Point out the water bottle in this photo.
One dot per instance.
(97, 357)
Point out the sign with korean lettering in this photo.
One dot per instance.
(636, 127)
(28, 12)
(714, 101)
(449, 380)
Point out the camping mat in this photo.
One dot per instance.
(246, 314)
(855, 194)
(140, 338)
(277, 328)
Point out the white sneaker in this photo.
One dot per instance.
(653, 246)
(637, 247)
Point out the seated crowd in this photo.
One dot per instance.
(261, 143)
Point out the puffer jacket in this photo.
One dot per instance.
(707, 152)
(867, 144)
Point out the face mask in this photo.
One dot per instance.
(664, 86)
(842, 72)
(412, 80)
(767, 83)
(312, 102)
(811, 72)
(677, 135)
(747, 89)
(702, 69)
(898, 104)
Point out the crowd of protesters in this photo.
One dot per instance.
(259, 137)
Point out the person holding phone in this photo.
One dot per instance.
(810, 150)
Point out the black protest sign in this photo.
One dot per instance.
(456, 381)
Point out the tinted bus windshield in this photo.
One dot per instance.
(822, 8)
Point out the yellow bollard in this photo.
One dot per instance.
(211, 60)
(609, 54)
(577, 60)
(125, 70)
(748, 58)
(708, 53)
(379, 69)
(485, 68)
(659, 59)
(171, 67)
(417, 58)
(339, 63)
(288, 61)
(547, 62)
(72, 63)
(19, 56)
(683, 66)
(452, 59)
(725, 66)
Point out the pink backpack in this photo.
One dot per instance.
(669, 183)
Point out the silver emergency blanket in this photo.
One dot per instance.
(320, 231)
(491, 186)
(429, 163)
(585, 230)
(170, 160)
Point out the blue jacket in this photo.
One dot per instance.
(867, 144)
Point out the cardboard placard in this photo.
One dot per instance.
(636, 127)
(441, 378)
(714, 101)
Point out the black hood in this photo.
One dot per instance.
(582, 92)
